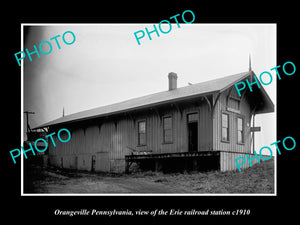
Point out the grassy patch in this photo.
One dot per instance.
(257, 179)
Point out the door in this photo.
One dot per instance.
(103, 163)
(193, 136)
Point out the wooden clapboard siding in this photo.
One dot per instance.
(232, 145)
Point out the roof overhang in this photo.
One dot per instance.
(258, 98)
(61, 121)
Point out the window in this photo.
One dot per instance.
(234, 104)
(192, 117)
(167, 129)
(225, 127)
(142, 133)
(240, 130)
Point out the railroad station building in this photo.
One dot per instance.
(199, 127)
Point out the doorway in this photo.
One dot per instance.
(193, 136)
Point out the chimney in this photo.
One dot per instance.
(172, 81)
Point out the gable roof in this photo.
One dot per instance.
(160, 98)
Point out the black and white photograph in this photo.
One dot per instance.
(149, 113)
(162, 117)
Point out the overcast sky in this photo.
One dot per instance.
(105, 65)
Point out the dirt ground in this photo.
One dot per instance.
(258, 179)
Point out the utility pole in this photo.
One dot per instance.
(28, 112)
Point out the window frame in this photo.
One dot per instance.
(163, 128)
(243, 129)
(138, 132)
(228, 127)
(192, 113)
(238, 100)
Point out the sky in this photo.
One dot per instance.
(106, 65)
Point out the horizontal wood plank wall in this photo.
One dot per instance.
(232, 145)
